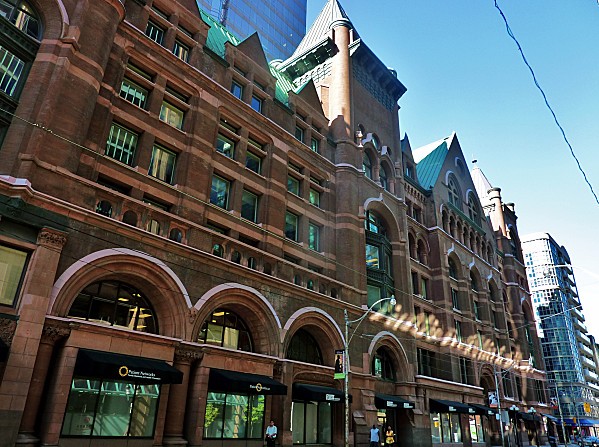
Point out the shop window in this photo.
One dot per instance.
(445, 428)
(476, 428)
(155, 32)
(291, 226)
(314, 237)
(171, 115)
(121, 144)
(234, 416)
(219, 192)
(162, 164)
(304, 348)
(110, 409)
(249, 206)
(181, 50)
(114, 303)
(225, 146)
(104, 207)
(132, 92)
(226, 329)
(256, 104)
(311, 422)
(382, 365)
(236, 89)
(12, 271)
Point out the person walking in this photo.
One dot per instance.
(375, 436)
(271, 434)
(389, 437)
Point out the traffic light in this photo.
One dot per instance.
(587, 407)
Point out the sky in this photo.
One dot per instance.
(465, 74)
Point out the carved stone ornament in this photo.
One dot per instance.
(184, 355)
(51, 334)
(51, 239)
(7, 329)
(191, 313)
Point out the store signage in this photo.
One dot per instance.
(471, 410)
(391, 404)
(452, 409)
(125, 371)
(332, 397)
(408, 405)
(259, 387)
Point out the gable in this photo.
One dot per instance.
(252, 47)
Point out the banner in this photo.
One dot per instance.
(493, 400)
(339, 364)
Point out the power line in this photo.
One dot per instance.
(534, 77)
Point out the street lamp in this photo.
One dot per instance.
(392, 301)
(532, 412)
(559, 406)
(515, 409)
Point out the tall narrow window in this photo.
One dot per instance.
(236, 89)
(384, 178)
(12, 268)
(314, 197)
(155, 32)
(11, 68)
(458, 330)
(315, 145)
(249, 206)
(181, 50)
(299, 134)
(291, 222)
(219, 193)
(314, 237)
(367, 166)
(121, 144)
(454, 194)
(162, 164)
(455, 299)
(256, 104)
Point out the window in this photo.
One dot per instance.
(455, 299)
(20, 14)
(11, 69)
(415, 284)
(155, 32)
(256, 104)
(162, 164)
(384, 178)
(494, 319)
(181, 50)
(299, 134)
(236, 89)
(453, 269)
(226, 329)
(253, 162)
(293, 185)
(454, 194)
(313, 237)
(445, 428)
(426, 362)
(466, 371)
(225, 146)
(424, 288)
(476, 309)
(382, 365)
(315, 145)
(234, 416)
(479, 337)
(171, 115)
(367, 166)
(303, 347)
(473, 282)
(473, 212)
(372, 256)
(476, 428)
(427, 323)
(410, 170)
(121, 144)
(249, 206)
(104, 207)
(219, 193)
(153, 226)
(458, 330)
(314, 197)
(133, 93)
(12, 271)
(291, 221)
(311, 422)
(110, 409)
(114, 303)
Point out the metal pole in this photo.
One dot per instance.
(346, 384)
(499, 407)
(561, 415)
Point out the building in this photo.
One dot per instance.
(280, 24)
(568, 350)
(184, 226)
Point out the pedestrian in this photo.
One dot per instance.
(389, 437)
(271, 434)
(375, 436)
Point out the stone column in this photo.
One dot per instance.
(27, 432)
(177, 398)
(24, 348)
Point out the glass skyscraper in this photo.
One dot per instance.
(281, 24)
(567, 349)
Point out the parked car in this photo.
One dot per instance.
(590, 441)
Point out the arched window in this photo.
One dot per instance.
(310, 284)
(218, 250)
(379, 268)
(20, 14)
(382, 365)
(236, 257)
(130, 218)
(384, 178)
(226, 329)
(153, 226)
(453, 268)
(454, 193)
(473, 211)
(304, 348)
(376, 142)
(474, 282)
(114, 303)
(367, 165)
(104, 207)
(252, 263)
(375, 224)
(175, 235)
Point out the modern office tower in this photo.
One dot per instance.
(567, 349)
(184, 228)
(281, 24)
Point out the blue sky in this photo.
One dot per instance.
(463, 73)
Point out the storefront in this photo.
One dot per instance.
(446, 425)
(115, 395)
(235, 405)
(313, 413)
(393, 411)
(480, 423)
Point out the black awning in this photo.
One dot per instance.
(223, 380)
(107, 365)
(483, 410)
(303, 391)
(3, 351)
(449, 406)
(382, 401)
(529, 416)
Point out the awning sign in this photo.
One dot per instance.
(332, 398)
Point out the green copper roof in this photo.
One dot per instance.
(429, 167)
(218, 35)
(284, 85)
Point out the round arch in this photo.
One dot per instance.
(161, 286)
(320, 325)
(250, 305)
(54, 17)
(391, 342)
(377, 205)
(487, 378)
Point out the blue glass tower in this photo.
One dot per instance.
(281, 24)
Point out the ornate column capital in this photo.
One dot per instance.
(51, 239)
(52, 333)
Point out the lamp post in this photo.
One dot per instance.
(515, 409)
(392, 301)
(561, 415)
(532, 412)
